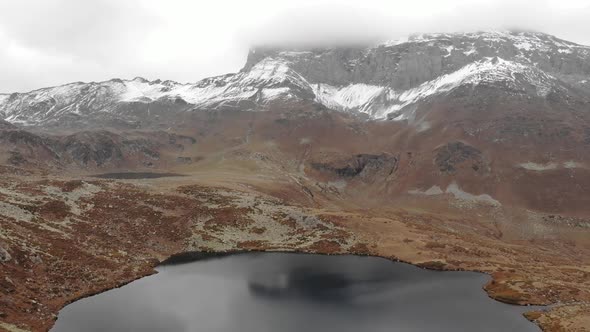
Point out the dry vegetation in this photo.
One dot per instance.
(61, 240)
(65, 235)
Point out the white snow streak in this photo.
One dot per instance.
(379, 102)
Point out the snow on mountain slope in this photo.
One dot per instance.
(382, 102)
(350, 97)
(527, 40)
(267, 80)
(270, 79)
(271, 76)
(526, 46)
(381, 81)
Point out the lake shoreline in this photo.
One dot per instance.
(128, 229)
(192, 256)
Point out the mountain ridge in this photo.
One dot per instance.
(463, 152)
(381, 82)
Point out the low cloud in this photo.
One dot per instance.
(359, 23)
(50, 42)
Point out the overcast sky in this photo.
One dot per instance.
(51, 42)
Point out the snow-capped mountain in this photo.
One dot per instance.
(385, 81)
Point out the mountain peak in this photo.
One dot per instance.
(140, 79)
(383, 81)
(490, 35)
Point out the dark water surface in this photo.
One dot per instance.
(264, 292)
(135, 175)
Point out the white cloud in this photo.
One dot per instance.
(49, 42)
(570, 4)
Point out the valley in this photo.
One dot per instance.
(459, 152)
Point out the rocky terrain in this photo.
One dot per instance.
(385, 81)
(465, 151)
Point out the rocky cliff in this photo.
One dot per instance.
(387, 81)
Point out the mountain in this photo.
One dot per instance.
(430, 111)
(387, 81)
(466, 151)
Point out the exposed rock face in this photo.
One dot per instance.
(486, 166)
(4, 125)
(99, 148)
(16, 158)
(405, 64)
(88, 148)
(21, 144)
(364, 166)
(387, 81)
(449, 156)
(4, 255)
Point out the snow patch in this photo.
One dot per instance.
(523, 41)
(294, 53)
(570, 164)
(395, 42)
(348, 97)
(538, 167)
(449, 50)
(265, 77)
(470, 51)
(459, 194)
(380, 102)
(573, 164)
(275, 93)
(527, 46)
(274, 78)
(268, 70)
(453, 189)
(432, 191)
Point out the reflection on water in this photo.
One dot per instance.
(315, 285)
(290, 292)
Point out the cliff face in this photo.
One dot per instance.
(387, 81)
(405, 64)
(458, 151)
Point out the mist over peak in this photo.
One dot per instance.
(186, 42)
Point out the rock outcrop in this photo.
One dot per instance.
(387, 81)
